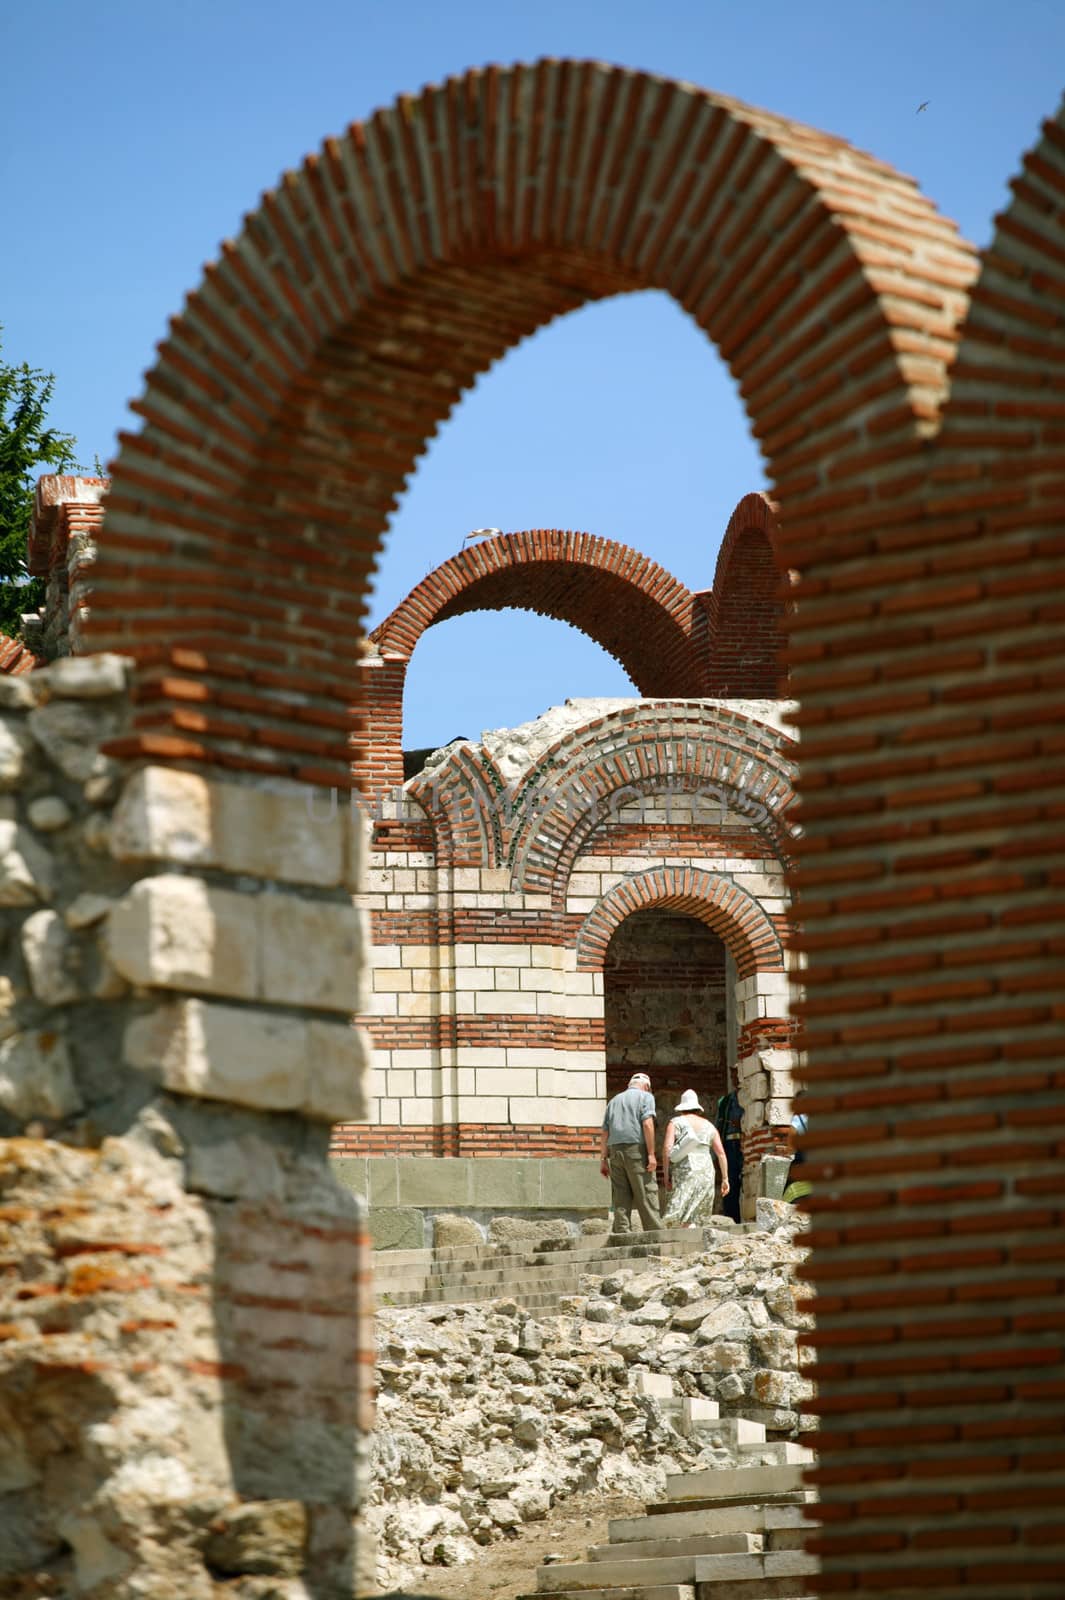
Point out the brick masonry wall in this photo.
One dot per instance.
(930, 900)
(488, 1010)
(289, 404)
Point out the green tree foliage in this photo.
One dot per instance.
(28, 447)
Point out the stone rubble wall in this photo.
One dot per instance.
(182, 1282)
(489, 1415)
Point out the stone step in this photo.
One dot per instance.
(681, 1524)
(663, 1508)
(696, 1544)
(688, 1241)
(533, 1295)
(655, 1591)
(717, 1483)
(750, 1569)
(584, 1575)
(768, 1589)
(780, 1453)
(597, 1263)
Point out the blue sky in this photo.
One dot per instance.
(137, 133)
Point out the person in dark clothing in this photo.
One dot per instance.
(729, 1124)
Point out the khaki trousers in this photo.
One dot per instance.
(631, 1185)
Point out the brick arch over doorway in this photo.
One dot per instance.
(735, 916)
(294, 395)
(280, 422)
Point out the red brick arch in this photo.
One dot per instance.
(627, 603)
(745, 607)
(281, 420)
(644, 749)
(297, 389)
(711, 897)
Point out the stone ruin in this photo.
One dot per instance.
(187, 1351)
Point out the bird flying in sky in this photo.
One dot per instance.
(923, 106)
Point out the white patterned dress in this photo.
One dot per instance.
(693, 1170)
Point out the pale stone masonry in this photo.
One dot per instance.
(498, 875)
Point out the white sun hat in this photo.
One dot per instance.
(689, 1101)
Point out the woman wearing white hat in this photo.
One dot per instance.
(692, 1142)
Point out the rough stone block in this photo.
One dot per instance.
(25, 869)
(382, 1181)
(94, 677)
(164, 815)
(263, 830)
(223, 1053)
(35, 1076)
(773, 1177)
(351, 1173)
(259, 1538)
(47, 954)
(451, 1230)
(252, 1058)
(507, 1181)
(15, 747)
(574, 1184)
(243, 1168)
(771, 1214)
(309, 952)
(397, 1228)
(434, 1181)
(340, 1058)
(70, 733)
(173, 932)
(49, 813)
(271, 832)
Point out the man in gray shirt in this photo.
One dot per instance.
(628, 1156)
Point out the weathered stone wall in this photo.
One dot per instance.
(183, 1282)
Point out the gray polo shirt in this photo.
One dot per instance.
(624, 1116)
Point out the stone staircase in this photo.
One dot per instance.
(723, 1534)
(537, 1278)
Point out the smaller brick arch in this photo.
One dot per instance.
(464, 801)
(746, 606)
(733, 914)
(635, 609)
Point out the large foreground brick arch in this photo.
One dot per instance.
(300, 384)
(281, 420)
(926, 654)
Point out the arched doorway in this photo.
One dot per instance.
(667, 1010)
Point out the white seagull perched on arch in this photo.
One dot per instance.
(480, 533)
